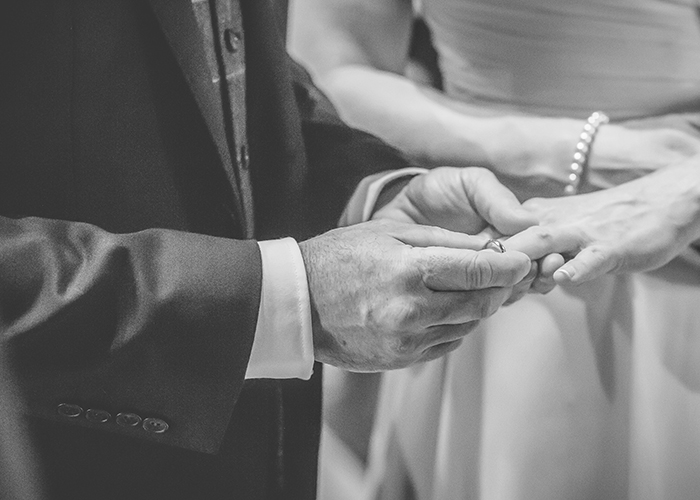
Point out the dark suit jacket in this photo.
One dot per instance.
(18, 477)
(125, 284)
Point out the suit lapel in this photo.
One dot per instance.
(179, 25)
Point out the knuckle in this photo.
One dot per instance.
(406, 314)
(543, 234)
(598, 256)
(424, 263)
(403, 346)
(479, 272)
(399, 314)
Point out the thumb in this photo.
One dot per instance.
(496, 203)
(450, 269)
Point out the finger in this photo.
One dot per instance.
(495, 202)
(439, 350)
(518, 293)
(589, 264)
(440, 334)
(521, 289)
(539, 241)
(491, 233)
(428, 236)
(456, 308)
(544, 282)
(549, 264)
(452, 269)
(542, 286)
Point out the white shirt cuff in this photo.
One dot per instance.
(283, 344)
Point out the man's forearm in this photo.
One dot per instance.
(158, 322)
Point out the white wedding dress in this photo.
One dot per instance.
(590, 392)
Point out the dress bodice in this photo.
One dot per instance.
(630, 58)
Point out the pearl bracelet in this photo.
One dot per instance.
(583, 147)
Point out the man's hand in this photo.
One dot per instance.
(470, 200)
(385, 295)
(467, 200)
(638, 226)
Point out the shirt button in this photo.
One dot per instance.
(128, 419)
(69, 410)
(244, 157)
(155, 425)
(97, 416)
(232, 40)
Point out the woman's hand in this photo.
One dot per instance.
(385, 295)
(637, 226)
(466, 200)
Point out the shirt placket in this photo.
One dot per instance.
(221, 24)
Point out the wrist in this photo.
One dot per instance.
(622, 148)
(308, 256)
(533, 146)
(620, 156)
(677, 189)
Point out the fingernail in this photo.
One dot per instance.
(563, 274)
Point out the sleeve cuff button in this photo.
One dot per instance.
(155, 425)
(69, 410)
(97, 416)
(128, 419)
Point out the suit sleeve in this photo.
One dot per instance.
(153, 325)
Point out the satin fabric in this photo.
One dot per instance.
(631, 58)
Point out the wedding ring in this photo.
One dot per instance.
(494, 245)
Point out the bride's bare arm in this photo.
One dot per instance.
(357, 51)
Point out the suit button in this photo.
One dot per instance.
(244, 157)
(128, 419)
(69, 410)
(232, 40)
(155, 425)
(97, 416)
